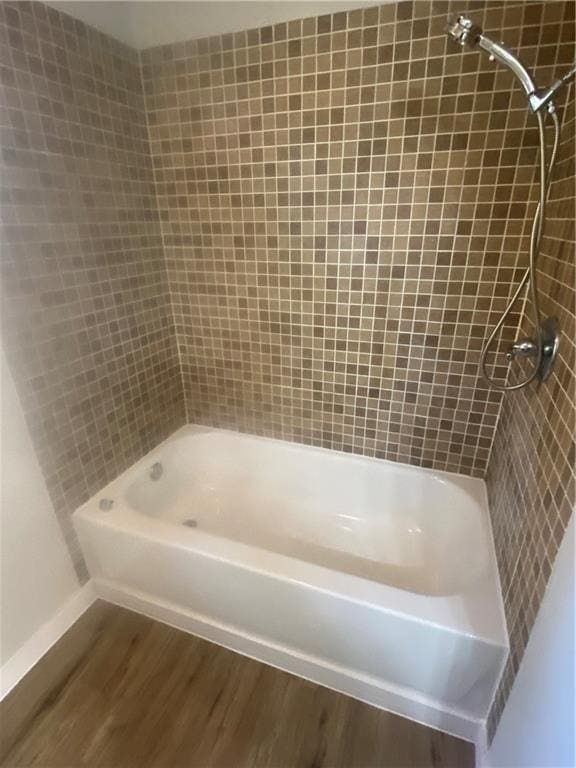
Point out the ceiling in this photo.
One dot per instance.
(146, 23)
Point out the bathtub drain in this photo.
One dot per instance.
(190, 523)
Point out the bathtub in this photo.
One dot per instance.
(370, 577)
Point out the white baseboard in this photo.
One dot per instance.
(396, 699)
(20, 663)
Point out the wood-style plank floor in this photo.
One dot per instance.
(123, 691)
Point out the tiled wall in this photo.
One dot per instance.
(531, 477)
(87, 326)
(344, 210)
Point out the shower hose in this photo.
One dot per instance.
(530, 274)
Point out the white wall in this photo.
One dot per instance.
(37, 577)
(143, 24)
(537, 727)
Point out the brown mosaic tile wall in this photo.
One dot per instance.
(87, 325)
(344, 208)
(531, 476)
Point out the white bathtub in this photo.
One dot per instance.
(370, 577)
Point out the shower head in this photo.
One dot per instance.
(463, 31)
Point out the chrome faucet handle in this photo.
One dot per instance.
(550, 345)
(522, 348)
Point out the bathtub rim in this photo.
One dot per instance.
(475, 486)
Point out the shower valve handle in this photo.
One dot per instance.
(550, 346)
(522, 348)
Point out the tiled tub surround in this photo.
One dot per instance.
(531, 477)
(344, 205)
(86, 325)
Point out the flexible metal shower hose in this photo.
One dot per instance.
(531, 271)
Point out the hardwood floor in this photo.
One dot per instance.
(123, 691)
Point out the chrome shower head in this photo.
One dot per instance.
(463, 31)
